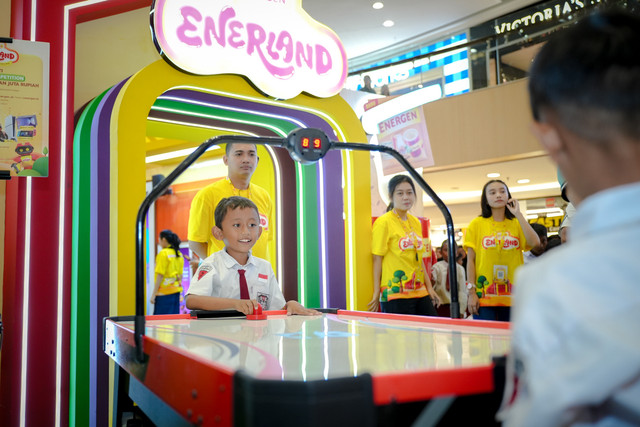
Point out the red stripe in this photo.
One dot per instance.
(167, 369)
(168, 316)
(429, 319)
(417, 386)
(12, 292)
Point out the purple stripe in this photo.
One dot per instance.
(99, 253)
(333, 184)
(289, 114)
(334, 226)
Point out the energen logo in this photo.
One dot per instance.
(275, 43)
(407, 242)
(8, 56)
(504, 240)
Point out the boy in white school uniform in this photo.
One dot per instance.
(575, 322)
(218, 283)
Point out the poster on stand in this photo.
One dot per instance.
(24, 108)
(407, 134)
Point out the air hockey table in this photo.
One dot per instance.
(339, 368)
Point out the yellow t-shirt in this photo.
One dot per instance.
(203, 207)
(170, 266)
(400, 244)
(498, 247)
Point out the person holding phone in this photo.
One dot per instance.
(495, 242)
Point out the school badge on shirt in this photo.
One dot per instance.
(204, 269)
(263, 300)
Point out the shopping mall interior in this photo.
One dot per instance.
(104, 68)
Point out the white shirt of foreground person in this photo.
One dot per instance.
(575, 356)
(218, 277)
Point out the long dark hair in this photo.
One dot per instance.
(393, 183)
(173, 239)
(484, 204)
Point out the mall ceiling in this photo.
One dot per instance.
(360, 28)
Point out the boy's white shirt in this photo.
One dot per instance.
(217, 276)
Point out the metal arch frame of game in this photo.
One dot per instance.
(305, 145)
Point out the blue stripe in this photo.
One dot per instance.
(456, 76)
(457, 93)
(422, 51)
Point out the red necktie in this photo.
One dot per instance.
(447, 278)
(244, 290)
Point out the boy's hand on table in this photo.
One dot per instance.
(294, 307)
(245, 306)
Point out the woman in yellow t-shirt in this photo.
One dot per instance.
(495, 242)
(399, 282)
(169, 266)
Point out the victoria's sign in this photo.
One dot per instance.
(274, 43)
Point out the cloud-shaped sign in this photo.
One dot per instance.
(275, 43)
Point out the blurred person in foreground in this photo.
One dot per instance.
(575, 356)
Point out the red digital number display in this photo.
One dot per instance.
(307, 145)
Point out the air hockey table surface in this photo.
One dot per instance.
(231, 370)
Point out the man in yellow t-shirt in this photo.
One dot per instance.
(241, 160)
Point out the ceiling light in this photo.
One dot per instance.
(493, 175)
(454, 195)
(536, 187)
(174, 154)
(524, 181)
(378, 5)
(545, 210)
(207, 163)
(388, 23)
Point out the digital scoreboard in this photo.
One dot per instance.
(307, 145)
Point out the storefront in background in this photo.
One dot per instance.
(501, 50)
(494, 52)
(401, 74)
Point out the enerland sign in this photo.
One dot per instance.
(276, 44)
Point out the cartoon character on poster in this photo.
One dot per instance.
(24, 94)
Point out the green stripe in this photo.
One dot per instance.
(309, 255)
(80, 307)
(187, 109)
(311, 230)
(79, 370)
